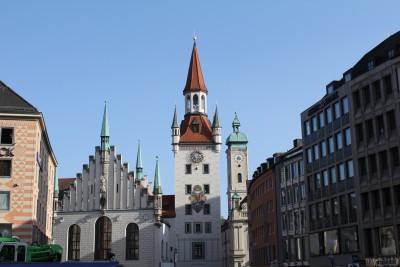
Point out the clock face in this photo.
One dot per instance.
(196, 156)
(238, 158)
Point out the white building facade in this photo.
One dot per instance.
(110, 210)
(196, 147)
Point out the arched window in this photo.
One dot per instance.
(203, 102)
(188, 102)
(102, 246)
(196, 102)
(132, 242)
(239, 177)
(74, 242)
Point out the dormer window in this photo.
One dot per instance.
(195, 126)
(391, 54)
(329, 89)
(347, 77)
(370, 65)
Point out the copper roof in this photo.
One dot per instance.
(205, 132)
(195, 80)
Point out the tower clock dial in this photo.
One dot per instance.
(238, 158)
(196, 156)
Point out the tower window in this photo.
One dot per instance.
(196, 102)
(203, 102)
(206, 210)
(239, 176)
(206, 169)
(188, 102)
(188, 169)
(206, 189)
(188, 209)
(207, 227)
(188, 189)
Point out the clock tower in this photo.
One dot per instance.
(196, 145)
(237, 226)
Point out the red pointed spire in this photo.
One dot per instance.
(195, 80)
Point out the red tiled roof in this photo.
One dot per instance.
(205, 132)
(63, 183)
(168, 206)
(195, 80)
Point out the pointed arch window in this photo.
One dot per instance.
(132, 242)
(239, 177)
(196, 102)
(203, 102)
(74, 242)
(103, 231)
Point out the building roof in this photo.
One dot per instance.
(236, 138)
(11, 102)
(64, 183)
(205, 132)
(195, 80)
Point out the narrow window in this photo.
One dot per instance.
(188, 102)
(329, 115)
(388, 84)
(207, 227)
(103, 230)
(331, 145)
(341, 172)
(203, 102)
(339, 141)
(188, 189)
(356, 100)
(391, 120)
(372, 163)
(132, 242)
(188, 228)
(321, 119)
(377, 89)
(394, 151)
(74, 240)
(206, 189)
(5, 167)
(345, 105)
(383, 160)
(4, 200)
(6, 135)
(336, 107)
(195, 126)
(239, 177)
(206, 209)
(316, 152)
(196, 102)
(350, 169)
(314, 123)
(206, 169)
(307, 128)
(366, 95)
(188, 169)
(370, 128)
(347, 136)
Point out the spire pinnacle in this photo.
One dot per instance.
(139, 164)
(216, 122)
(157, 180)
(105, 130)
(175, 120)
(236, 123)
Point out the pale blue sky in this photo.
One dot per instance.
(268, 60)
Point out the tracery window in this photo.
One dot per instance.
(103, 230)
(132, 242)
(74, 242)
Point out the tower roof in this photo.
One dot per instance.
(157, 181)
(204, 134)
(195, 80)
(236, 138)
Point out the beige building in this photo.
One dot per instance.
(27, 170)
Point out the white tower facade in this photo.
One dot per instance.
(197, 176)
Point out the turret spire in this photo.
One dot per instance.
(157, 181)
(139, 164)
(105, 131)
(216, 122)
(175, 120)
(236, 124)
